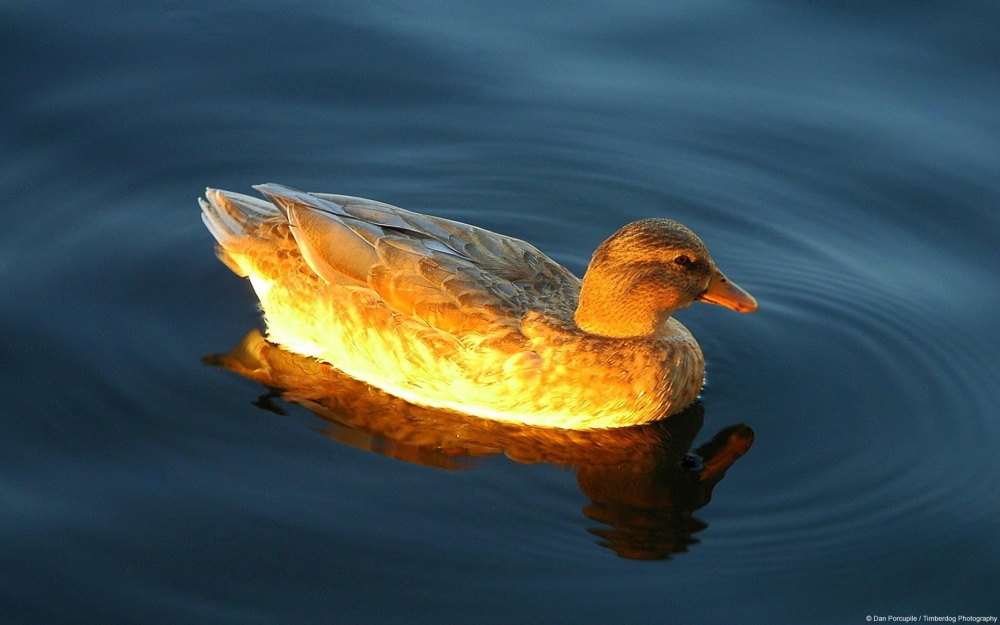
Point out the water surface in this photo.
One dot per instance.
(842, 163)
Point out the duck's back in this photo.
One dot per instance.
(451, 275)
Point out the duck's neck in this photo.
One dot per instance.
(621, 308)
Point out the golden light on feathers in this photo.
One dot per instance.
(452, 316)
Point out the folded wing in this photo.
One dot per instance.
(454, 276)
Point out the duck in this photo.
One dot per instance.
(455, 317)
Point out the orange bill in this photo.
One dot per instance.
(725, 293)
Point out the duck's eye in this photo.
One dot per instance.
(683, 260)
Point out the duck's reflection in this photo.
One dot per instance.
(643, 483)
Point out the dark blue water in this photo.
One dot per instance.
(841, 161)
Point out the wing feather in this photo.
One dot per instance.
(454, 276)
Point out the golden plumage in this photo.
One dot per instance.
(452, 316)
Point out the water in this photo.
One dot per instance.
(841, 161)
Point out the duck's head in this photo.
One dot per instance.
(646, 272)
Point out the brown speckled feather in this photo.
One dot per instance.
(452, 275)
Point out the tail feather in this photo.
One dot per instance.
(231, 216)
